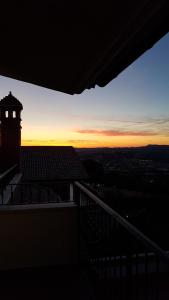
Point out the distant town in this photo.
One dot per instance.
(133, 181)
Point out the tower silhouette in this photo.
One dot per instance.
(10, 131)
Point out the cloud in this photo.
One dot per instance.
(138, 123)
(112, 118)
(81, 141)
(36, 142)
(53, 142)
(116, 132)
(163, 120)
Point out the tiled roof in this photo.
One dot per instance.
(51, 163)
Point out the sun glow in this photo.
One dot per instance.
(87, 142)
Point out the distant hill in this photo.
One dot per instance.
(149, 152)
(153, 152)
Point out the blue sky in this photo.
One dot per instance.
(131, 110)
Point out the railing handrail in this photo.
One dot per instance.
(4, 174)
(31, 183)
(131, 228)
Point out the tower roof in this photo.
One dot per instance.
(10, 101)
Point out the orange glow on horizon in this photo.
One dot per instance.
(88, 142)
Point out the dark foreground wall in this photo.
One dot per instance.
(38, 235)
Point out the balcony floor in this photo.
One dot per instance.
(44, 283)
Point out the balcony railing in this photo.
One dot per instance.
(7, 175)
(121, 261)
(34, 193)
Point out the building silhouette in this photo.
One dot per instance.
(35, 164)
(10, 131)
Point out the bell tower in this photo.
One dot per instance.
(10, 131)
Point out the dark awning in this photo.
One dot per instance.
(70, 46)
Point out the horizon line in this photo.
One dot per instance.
(100, 147)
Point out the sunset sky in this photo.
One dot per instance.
(132, 110)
